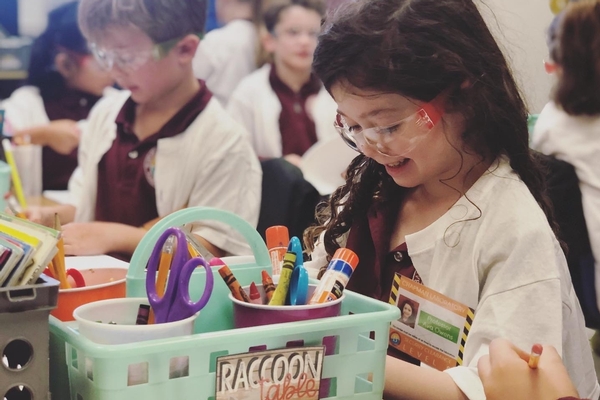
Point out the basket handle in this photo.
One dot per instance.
(144, 249)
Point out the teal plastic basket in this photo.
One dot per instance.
(83, 370)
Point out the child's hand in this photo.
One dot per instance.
(40, 215)
(60, 135)
(293, 159)
(88, 239)
(506, 375)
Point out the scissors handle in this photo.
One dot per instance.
(162, 304)
(183, 307)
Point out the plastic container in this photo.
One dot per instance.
(359, 354)
(24, 314)
(101, 284)
(123, 313)
(248, 314)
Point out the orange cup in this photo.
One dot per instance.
(101, 284)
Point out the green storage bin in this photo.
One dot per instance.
(83, 370)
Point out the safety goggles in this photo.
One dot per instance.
(132, 59)
(394, 140)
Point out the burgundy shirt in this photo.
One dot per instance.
(369, 238)
(126, 171)
(57, 168)
(298, 131)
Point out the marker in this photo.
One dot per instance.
(277, 239)
(268, 285)
(285, 277)
(234, 286)
(143, 314)
(534, 357)
(254, 294)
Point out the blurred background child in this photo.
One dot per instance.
(227, 54)
(64, 82)
(569, 126)
(283, 105)
(162, 144)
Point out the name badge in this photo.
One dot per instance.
(432, 327)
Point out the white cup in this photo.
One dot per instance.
(93, 321)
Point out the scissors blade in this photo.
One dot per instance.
(198, 247)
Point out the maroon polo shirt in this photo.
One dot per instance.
(126, 191)
(57, 168)
(298, 131)
(369, 238)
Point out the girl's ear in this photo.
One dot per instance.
(269, 42)
(65, 65)
(186, 48)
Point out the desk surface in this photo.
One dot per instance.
(41, 201)
(13, 75)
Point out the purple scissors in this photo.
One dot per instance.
(176, 304)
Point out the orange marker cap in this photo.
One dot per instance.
(277, 236)
(346, 255)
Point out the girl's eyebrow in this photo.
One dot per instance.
(373, 113)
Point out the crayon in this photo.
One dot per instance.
(143, 314)
(534, 357)
(233, 285)
(254, 294)
(285, 277)
(268, 285)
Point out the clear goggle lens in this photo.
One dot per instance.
(394, 140)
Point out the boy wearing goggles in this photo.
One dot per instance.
(164, 143)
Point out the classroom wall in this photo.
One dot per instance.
(520, 28)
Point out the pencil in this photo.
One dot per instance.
(534, 357)
(164, 266)
(59, 258)
(14, 173)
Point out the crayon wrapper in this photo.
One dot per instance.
(285, 277)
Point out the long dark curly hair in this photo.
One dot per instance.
(419, 48)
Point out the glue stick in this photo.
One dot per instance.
(278, 238)
(336, 277)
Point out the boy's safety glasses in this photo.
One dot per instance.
(132, 59)
(394, 140)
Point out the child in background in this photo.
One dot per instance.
(283, 105)
(445, 191)
(228, 54)
(163, 144)
(64, 82)
(569, 126)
